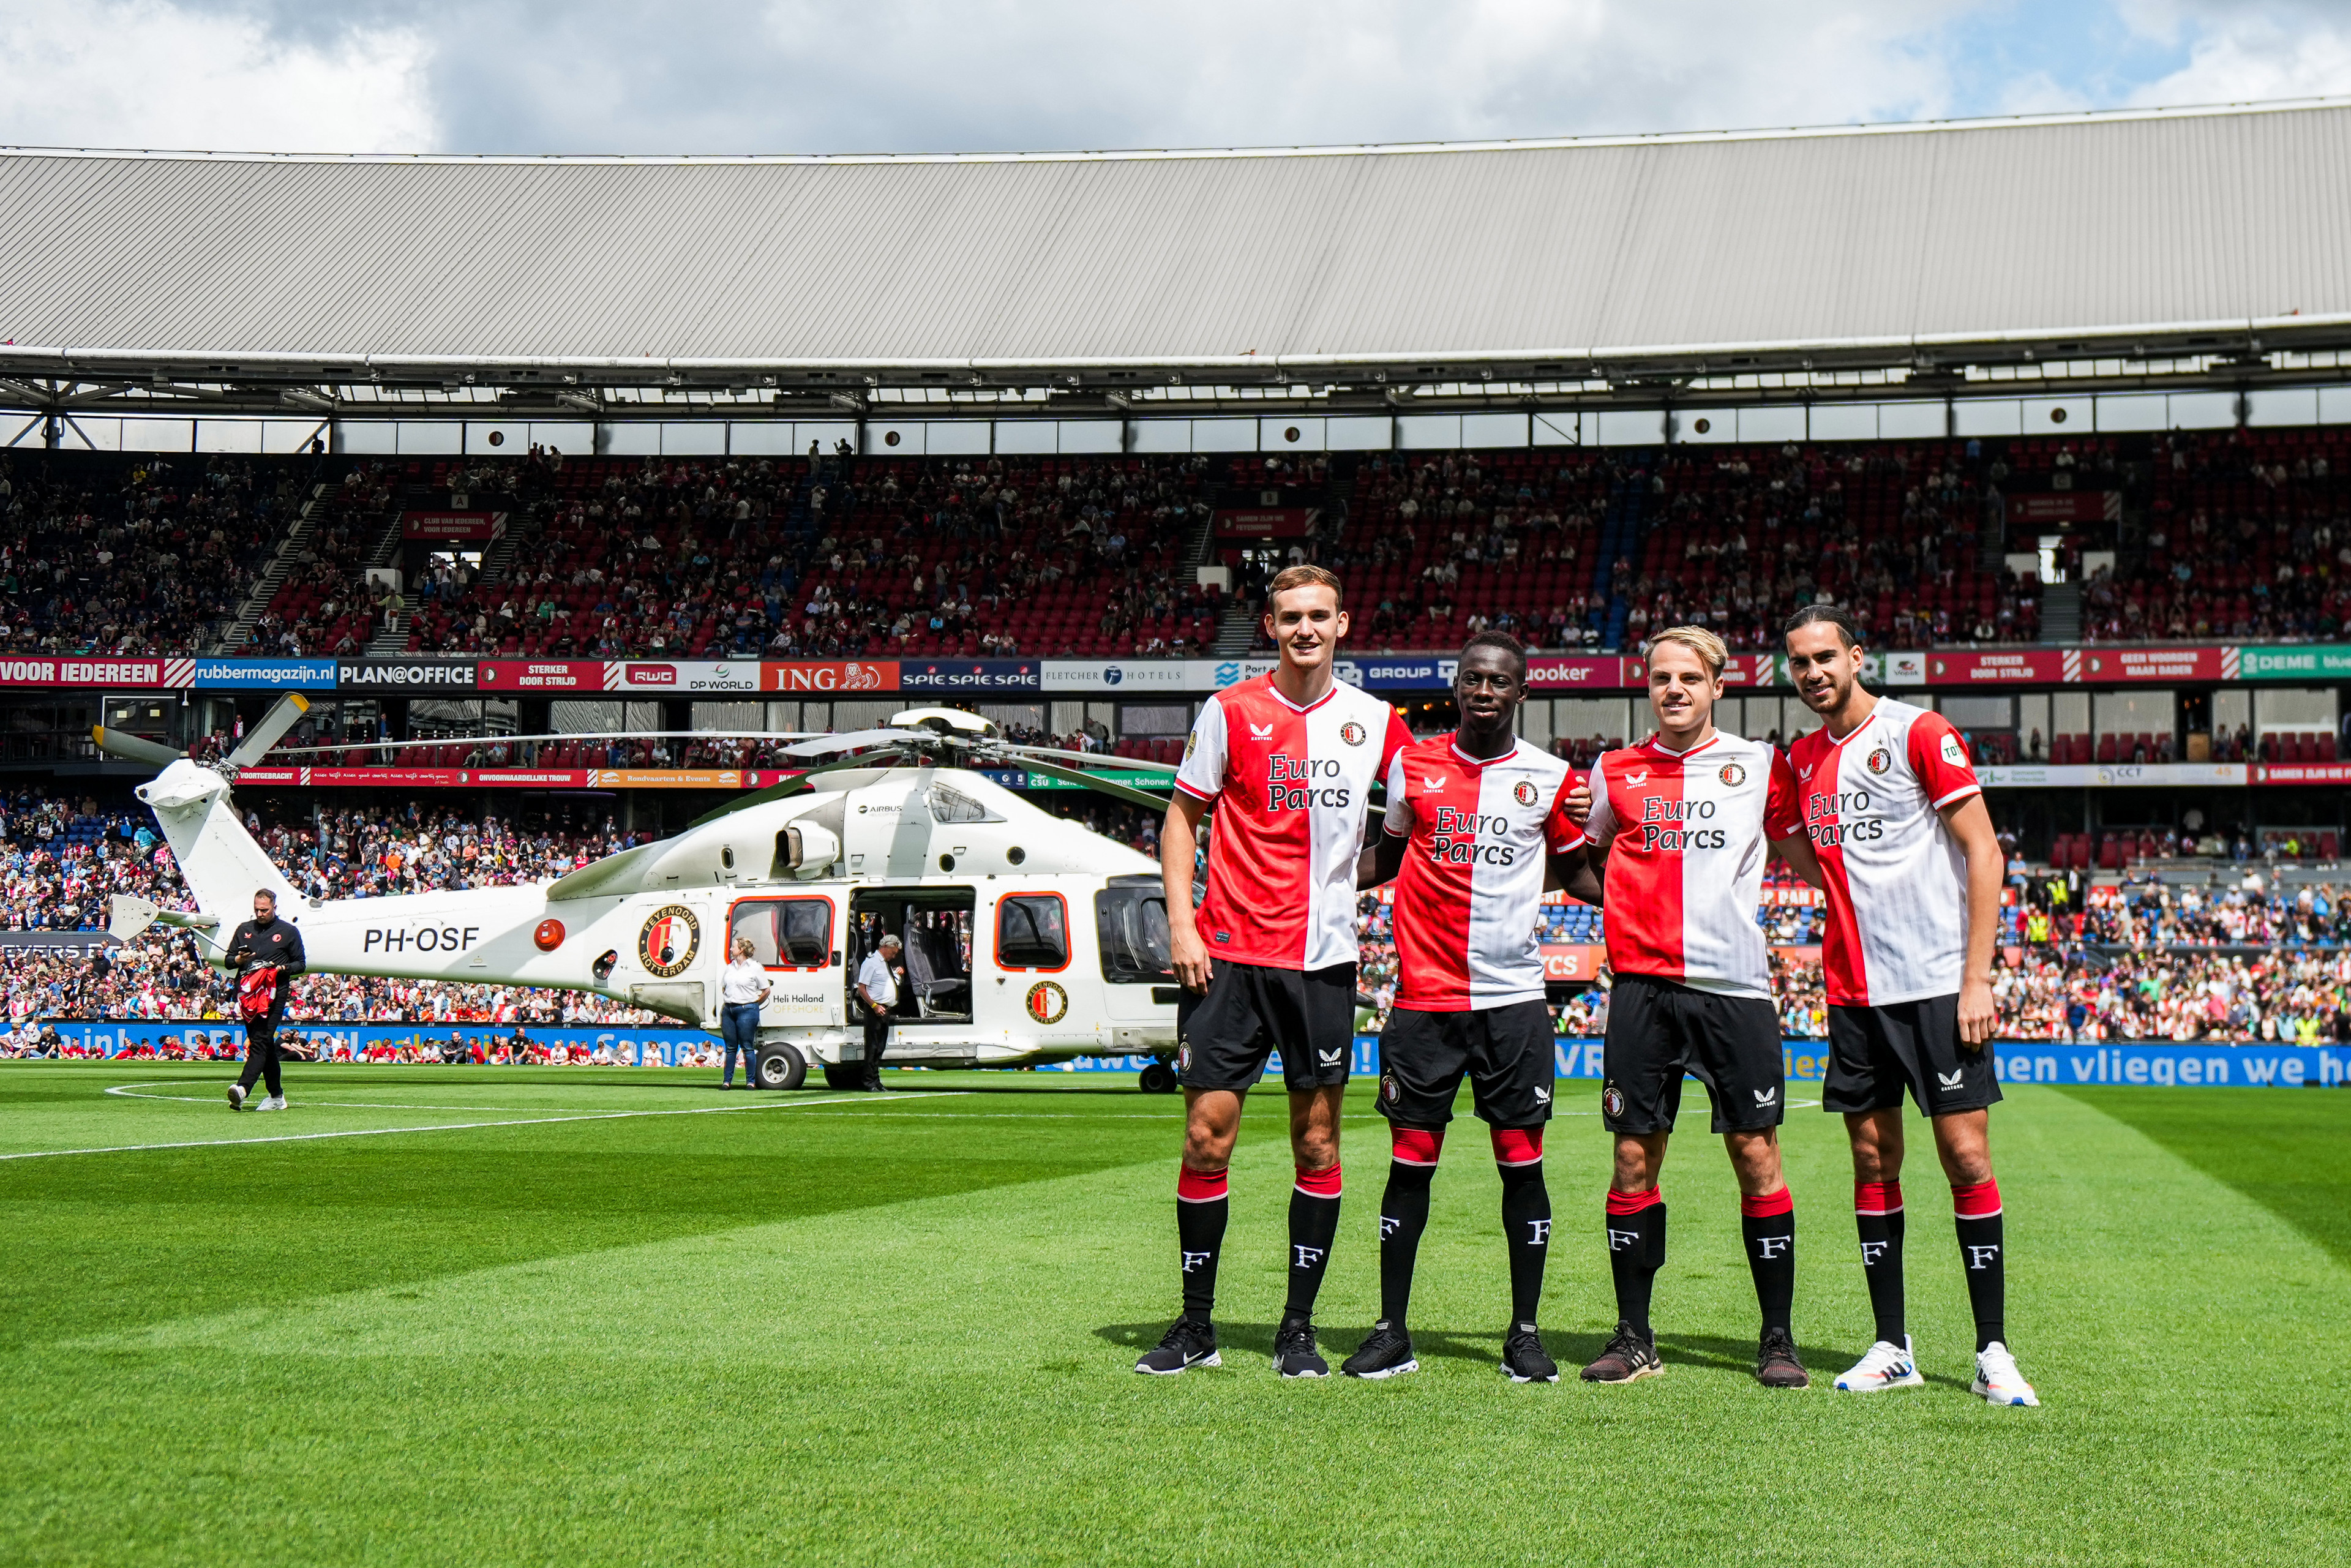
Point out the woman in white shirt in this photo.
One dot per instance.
(743, 985)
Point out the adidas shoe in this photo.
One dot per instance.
(1294, 1354)
(1887, 1366)
(1188, 1345)
(237, 1096)
(1524, 1360)
(1630, 1357)
(1776, 1365)
(1997, 1380)
(1387, 1352)
(274, 1103)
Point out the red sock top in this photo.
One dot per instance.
(1981, 1201)
(1199, 1187)
(1624, 1203)
(1416, 1146)
(1877, 1197)
(1518, 1145)
(1319, 1184)
(1770, 1204)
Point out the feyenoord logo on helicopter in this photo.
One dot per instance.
(667, 945)
(1048, 1003)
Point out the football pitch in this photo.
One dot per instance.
(489, 1316)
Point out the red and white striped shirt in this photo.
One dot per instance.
(1466, 901)
(1897, 879)
(1686, 833)
(1291, 786)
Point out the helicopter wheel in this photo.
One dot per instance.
(1157, 1078)
(844, 1075)
(781, 1067)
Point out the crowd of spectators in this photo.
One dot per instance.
(149, 555)
(832, 556)
(2248, 535)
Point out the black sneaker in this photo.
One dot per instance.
(1188, 1345)
(1524, 1360)
(1776, 1365)
(1387, 1352)
(1294, 1354)
(1629, 1356)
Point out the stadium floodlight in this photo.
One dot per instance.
(850, 402)
(302, 397)
(585, 402)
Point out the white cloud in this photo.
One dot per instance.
(2239, 53)
(143, 73)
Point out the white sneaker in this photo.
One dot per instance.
(1886, 1366)
(274, 1103)
(1997, 1380)
(237, 1096)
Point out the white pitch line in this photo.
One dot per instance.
(130, 1091)
(445, 1127)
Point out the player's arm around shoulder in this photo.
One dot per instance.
(1383, 847)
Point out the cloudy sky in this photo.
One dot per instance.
(584, 76)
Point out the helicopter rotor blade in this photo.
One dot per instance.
(264, 734)
(761, 734)
(860, 738)
(1100, 785)
(134, 749)
(1087, 759)
(798, 782)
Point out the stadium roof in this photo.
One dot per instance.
(1596, 264)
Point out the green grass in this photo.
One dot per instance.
(809, 1329)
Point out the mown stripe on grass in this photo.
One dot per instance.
(2295, 1165)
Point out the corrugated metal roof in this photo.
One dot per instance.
(1575, 250)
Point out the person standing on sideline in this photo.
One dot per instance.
(743, 985)
(1266, 962)
(877, 987)
(1913, 869)
(267, 953)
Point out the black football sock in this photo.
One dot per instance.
(1314, 1226)
(1526, 1224)
(1769, 1224)
(1201, 1207)
(1877, 1216)
(1983, 1253)
(1637, 1250)
(1404, 1215)
(1526, 1215)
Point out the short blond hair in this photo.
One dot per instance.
(1708, 647)
(1302, 577)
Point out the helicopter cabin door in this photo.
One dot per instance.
(798, 937)
(1042, 999)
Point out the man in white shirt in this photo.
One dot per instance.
(877, 987)
(743, 985)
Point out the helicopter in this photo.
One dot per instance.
(1027, 939)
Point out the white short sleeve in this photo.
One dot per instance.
(1201, 776)
(1599, 827)
(1399, 817)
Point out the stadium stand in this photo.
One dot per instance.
(136, 555)
(830, 555)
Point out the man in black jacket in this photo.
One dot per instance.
(267, 952)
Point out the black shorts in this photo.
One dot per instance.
(1658, 1030)
(1875, 1052)
(1252, 1012)
(1508, 1052)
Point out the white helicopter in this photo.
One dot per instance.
(1028, 938)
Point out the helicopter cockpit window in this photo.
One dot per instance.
(955, 806)
(1032, 931)
(785, 932)
(1131, 921)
